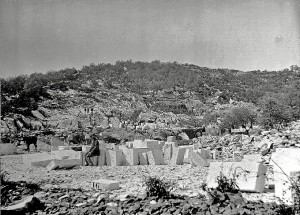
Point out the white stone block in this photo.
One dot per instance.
(197, 159)
(216, 154)
(86, 148)
(177, 156)
(114, 158)
(106, 184)
(62, 154)
(251, 175)
(171, 139)
(131, 156)
(206, 153)
(252, 158)
(285, 161)
(196, 146)
(37, 159)
(63, 164)
(63, 147)
(7, 149)
(155, 157)
(143, 159)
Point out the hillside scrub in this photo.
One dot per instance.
(23, 93)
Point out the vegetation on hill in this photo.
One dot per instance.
(276, 93)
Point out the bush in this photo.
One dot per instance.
(158, 187)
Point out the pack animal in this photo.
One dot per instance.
(28, 140)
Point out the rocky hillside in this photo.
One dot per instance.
(105, 95)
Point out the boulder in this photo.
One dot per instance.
(27, 205)
(37, 115)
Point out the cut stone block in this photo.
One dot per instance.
(62, 154)
(63, 147)
(155, 157)
(37, 159)
(252, 158)
(106, 184)
(237, 156)
(196, 146)
(177, 156)
(7, 149)
(152, 144)
(205, 153)
(143, 158)
(171, 139)
(114, 158)
(161, 144)
(86, 148)
(285, 161)
(216, 154)
(196, 159)
(131, 156)
(129, 145)
(63, 164)
(167, 154)
(251, 175)
(56, 141)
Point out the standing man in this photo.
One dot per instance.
(94, 151)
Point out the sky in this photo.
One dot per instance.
(44, 35)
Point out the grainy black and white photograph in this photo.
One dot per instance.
(140, 107)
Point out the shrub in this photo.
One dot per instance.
(158, 187)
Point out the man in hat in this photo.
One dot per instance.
(94, 150)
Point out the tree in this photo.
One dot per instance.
(274, 110)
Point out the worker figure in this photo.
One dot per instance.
(94, 150)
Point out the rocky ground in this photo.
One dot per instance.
(71, 192)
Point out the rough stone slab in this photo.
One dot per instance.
(131, 156)
(37, 159)
(171, 139)
(251, 174)
(196, 159)
(7, 149)
(114, 158)
(285, 161)
(106, 184)
(143, 158)
(155, 157)
(62, 154)
(63, 164)
(252, 158)
(177, 156)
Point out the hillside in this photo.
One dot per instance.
(179, 94)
